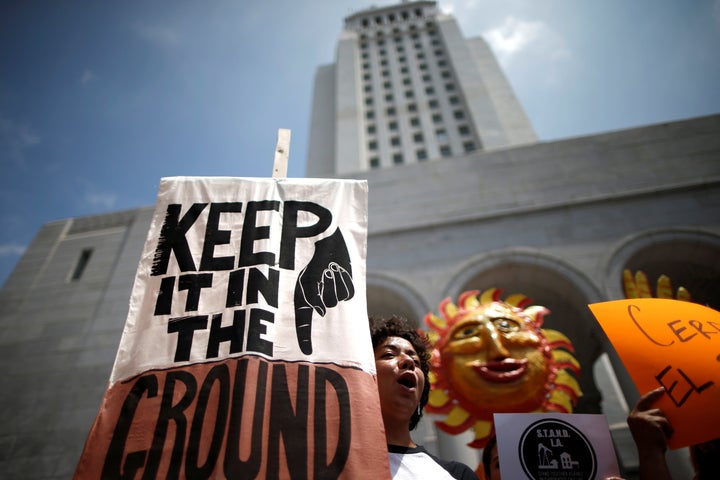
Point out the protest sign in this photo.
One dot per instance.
(246, 351)
(676, 345)
(554, 446)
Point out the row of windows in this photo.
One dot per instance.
(441, 134)
(400, 49)
(421, 154)
(412, 108)
(381, 40)
(401, 59)
(403, 15)
(463, 129)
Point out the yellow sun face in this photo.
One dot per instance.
(491, 356)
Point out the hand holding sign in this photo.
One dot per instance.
(648, 424)
(322, 284)
(675, 345)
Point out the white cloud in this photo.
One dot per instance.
(11, 249)
(530, 47)
(15, 139)
(513, 36)
(100, 200)
(87, 76)
(159, 35)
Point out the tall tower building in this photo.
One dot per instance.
(407, 87)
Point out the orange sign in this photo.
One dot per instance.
(676, 345)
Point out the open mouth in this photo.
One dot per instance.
(502, 371)
(407, 380)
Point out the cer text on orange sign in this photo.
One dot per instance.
(676, 345)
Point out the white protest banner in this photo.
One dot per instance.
(246, 351)
(554, 446)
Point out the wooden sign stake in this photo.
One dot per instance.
(282, 152)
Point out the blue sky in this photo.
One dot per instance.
(100, 99)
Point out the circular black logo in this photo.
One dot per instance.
(552, 449)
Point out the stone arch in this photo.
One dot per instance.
(690, 257)
(553, 283)
(387, 295)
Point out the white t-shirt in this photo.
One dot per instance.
(416, 463)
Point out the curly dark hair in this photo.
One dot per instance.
(397, 326)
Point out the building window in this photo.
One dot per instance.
(368, 101)
(415, 121)
(426, 78)
(386, 73)
(397, 158)
(372, 145)
(454, 100)
(423, 66)
(459, 114)
(386, 85)
(433, 104)
(406, 81)
(464, 130)
(409, 94)
(441, 135)
(420, 55)
(366, 66)
(430, 90)
(368, 88)
(445, 150)
(442, 63)
(371, 129)
(366, 77)
(395, 141)
(412, 107)
(370, 115)
(382, 52)
(391, 111)
(402, 59)
(393, 126)
(81, 263)
(469, 146)
(403, 70)
(446, 74)
(449, 87)
(389, 97)
(418, 137)
(374, 162)
(421, 155)
(383, 62)
(437, 118)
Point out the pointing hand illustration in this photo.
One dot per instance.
(322, 284)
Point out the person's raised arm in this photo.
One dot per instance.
(650, 430)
